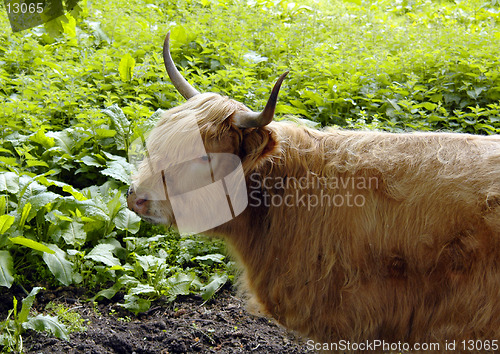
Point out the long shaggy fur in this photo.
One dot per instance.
(417, 261)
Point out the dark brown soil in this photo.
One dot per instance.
(188, 325)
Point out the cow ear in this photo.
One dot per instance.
(258, 143)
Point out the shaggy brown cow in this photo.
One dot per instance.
(347, 235)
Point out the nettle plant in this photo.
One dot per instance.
(81, 232)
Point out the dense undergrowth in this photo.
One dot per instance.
(76, 92)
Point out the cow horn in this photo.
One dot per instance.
(179, 82)
(260, 119)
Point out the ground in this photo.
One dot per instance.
(188, 325)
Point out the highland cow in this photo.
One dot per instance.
(353, 235)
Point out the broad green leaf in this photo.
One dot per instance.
(120, 124)
(77, 195)
(89, 208)
(32, 163)
(27, 304)
(63, 141)
(180, 36)
(49, 182)
(126, 67)
(127, 220)
(103, 253)
(91, 161)
(9, 181)
(135, 304)
(40, 138)
(23, 241)
(215, 283)
(149, 261)
(35, 194)
(24, 215)
(60, 267)
(119, 170)
(40, 200)
(9, 161)
(115, 204)
(427, 105)
(143, 289)
(6, 269)
(6, 222)
(128, 281)
(105, 133)
(210, 258)
(47, 323)
(3, 204)
(179, 284)
(73, 233)
(107, 293)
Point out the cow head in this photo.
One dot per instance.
(192, 175)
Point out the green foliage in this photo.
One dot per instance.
(76, 93)
(17, 323)
(69, 318)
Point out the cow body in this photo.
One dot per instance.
(354, 234)
(347, 235)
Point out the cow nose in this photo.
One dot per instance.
(137, 203)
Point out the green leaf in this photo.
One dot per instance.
(24, 214)
(105, 133)
(107, 293)
(27, 304)
(90, 161)
(215, 283)
(77, 195)
(9, 181)
(3, 204)
(60, 267)
(427, 105)
(73, 233)
(6, 269)
(23, 241)
(120, 124)
(9, 161)
(47, 323)
(103, 253)
(149, 261)
(32, 163)
(40, 138)
(210, 259)
(40, 200)
(127, 220)
(126, 67)
(89, 208)
(115, 204)
(179, 284)
(135, 304)
(63, 141)
(119, 170)
(143, 289)
(6, 222)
